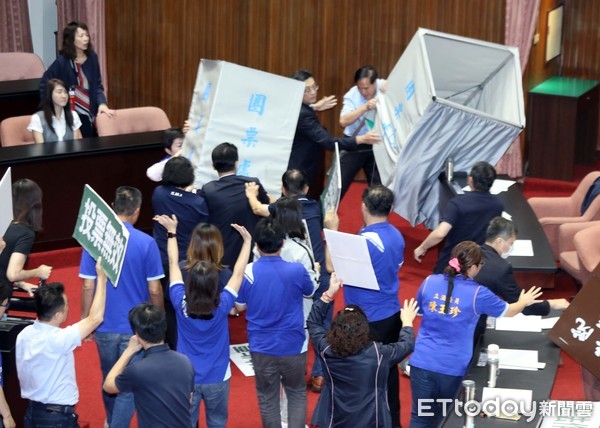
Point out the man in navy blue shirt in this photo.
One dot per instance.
(227, 202)
(466, 217)
(162, 382)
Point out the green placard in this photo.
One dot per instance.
(101, 233)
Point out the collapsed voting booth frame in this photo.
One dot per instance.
(447, 97)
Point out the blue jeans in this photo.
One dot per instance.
(36, 416)
(119, 408)
(428, 385)
(216, 402)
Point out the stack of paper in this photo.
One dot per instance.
(520, 322)
(519, 359)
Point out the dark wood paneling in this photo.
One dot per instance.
(153, 48)
(580, 47)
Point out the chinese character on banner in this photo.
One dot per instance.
(206, 92)
(244, 168)
(409, 90)
(583, 331)
(99, 229)
(257, 103)
(597, 351)
(87, 219)
(398, 111)
(250, 140)
(389, 136)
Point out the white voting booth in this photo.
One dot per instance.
(255, 110)
(448, 96)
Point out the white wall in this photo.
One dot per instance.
(43, 21)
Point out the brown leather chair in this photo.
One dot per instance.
(132, 120)
(553, 212)
(580, 249)
(13, 131)
(20, 66)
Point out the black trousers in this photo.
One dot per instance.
(352, 162)
(388, 331)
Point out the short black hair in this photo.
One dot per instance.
(148, 322)
(5, 290)
(500, 227)
(483, 175)
(178, 172)
(294, 181)
(302, 75)
(378, 200)
(127, 200)
(49, 299)
(170, 135)
(268, 236)
(287, 213)
(224, 157)
(365, 71)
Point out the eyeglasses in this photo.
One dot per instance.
(309, 89)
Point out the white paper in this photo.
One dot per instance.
(548, 323)
(558, 421)
(521, 396)
(351, 260)
(240, 355)
(522, 248)
(520, 322)
(518, 359)
(6, 213)
(499, 186)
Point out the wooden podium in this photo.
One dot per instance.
(562, 126)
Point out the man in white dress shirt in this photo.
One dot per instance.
(44, 355)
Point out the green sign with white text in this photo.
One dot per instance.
(101, 233)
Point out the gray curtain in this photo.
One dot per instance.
(443, 130)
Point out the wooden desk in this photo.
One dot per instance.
(562, 128)
(19, 97)
(62, 168)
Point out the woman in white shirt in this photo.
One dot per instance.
(56, 121)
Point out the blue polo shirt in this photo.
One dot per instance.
(386, 248)
(141, 264)
(162, 384)
(204, 342)
(273, 290)
(190, 210)
(445, 341)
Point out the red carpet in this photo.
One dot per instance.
(243, 404)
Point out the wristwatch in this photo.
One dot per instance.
(171, 235)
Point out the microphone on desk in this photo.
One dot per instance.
(493, 361)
